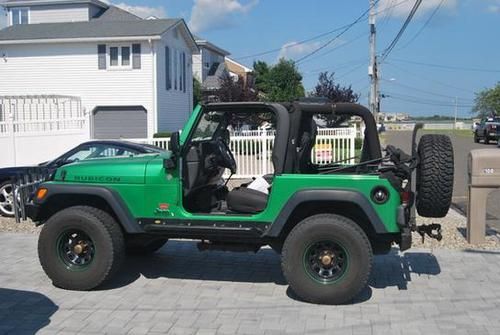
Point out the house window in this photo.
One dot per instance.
(181, 83)
(125, 56)
(20, 16)
(119, 57)
(184, 71)
(176, 57)
(113, 56)
(167, 69)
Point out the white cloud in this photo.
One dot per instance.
(216, 14)
(401, 8)
(144, 11)
(494, 7)
(292, 50)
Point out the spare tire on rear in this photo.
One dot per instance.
(434, 176)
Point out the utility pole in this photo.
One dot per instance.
(372, 68)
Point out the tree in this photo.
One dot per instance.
(280, 82)
(232, 90)
(487, 102)
(327, 88)
(197, 96)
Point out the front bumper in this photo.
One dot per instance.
(32, 211)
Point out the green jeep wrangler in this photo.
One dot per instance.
(326, 221)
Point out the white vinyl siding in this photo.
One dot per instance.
(72, 69)
(203, 61)
(59, 13)
(174, 105)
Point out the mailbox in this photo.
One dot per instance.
(484, 177)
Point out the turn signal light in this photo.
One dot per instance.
(405, 198)
(41, 193)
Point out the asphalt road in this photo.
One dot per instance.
(462, 145)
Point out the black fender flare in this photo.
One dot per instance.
(113, 199)
(309, 195)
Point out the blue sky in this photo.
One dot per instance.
(461, 40)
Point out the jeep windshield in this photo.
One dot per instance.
(207, 126)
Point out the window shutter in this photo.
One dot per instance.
(184, 70)
(136, 56)
(167, 69)
(101, 56)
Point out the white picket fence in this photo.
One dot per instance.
(253, 149)
(34, 128)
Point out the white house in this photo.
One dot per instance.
(209, 61)
(133, 76)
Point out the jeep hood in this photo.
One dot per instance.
(115, 170)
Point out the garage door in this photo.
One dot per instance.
(120, 122)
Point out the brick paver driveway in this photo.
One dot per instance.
(183, 291)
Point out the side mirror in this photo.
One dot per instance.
(175, 144)
(169, 163)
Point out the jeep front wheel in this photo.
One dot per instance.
(80, 248)
(327, 259)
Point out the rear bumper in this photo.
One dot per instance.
(405, 227)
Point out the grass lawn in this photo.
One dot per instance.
(456, 132)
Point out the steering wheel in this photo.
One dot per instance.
(225, 157)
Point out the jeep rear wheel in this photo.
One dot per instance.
(80, 248)
(434, 176)
(327, 259)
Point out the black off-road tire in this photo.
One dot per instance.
(106, 235)
(339, 230)
(141, 247)
(486, 138)
(434, 176)
(476, 138)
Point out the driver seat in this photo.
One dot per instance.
(246, 200)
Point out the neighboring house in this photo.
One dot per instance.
(238, 70)
(133, 76)
(208, 63)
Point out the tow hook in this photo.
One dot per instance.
(432, 230)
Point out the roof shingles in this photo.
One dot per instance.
(92, 29)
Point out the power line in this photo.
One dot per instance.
(391, 46)
(391, 7)
(336, 36)
(336, 48)
(337, 67)
(449, 67)
(434, 12)
(428, 79)
(294, 44)
(266, 52)
(421, 90)
(424, 101)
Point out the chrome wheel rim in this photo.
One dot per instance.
(6, 200)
